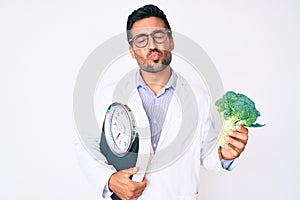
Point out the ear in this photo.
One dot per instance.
(131, 52)
(172, 43)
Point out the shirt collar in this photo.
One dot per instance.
(170, 84)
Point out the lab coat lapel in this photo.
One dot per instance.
(172, 121)
(128, 94)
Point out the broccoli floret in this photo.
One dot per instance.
(237, 109)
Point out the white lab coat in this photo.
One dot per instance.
(178, 179)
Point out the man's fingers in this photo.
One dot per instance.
(236, 143)
(135, 170)
(232, 151)
(125, 188)
(239, 135)
(141, 185)
(242, 129)
(136, 189)
(130, 171)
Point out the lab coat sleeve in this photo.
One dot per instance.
(212, 161)
(96, 168)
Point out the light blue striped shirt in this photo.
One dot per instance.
(156, 106)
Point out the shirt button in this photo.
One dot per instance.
(154, 145)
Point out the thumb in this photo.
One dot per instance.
(132, 171)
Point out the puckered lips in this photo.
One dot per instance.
(155, 56)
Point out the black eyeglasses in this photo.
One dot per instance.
(159, 37)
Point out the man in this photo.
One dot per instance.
(151, 43)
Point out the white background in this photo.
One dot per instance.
(254, 45)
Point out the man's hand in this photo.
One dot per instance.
(236, 142)
(121, 184)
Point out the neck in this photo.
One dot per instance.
(156, 81)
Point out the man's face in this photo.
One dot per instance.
(151, 44)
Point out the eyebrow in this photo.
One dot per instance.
(154, 31)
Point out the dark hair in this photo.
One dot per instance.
(145, 12)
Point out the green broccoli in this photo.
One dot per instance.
(237, 109)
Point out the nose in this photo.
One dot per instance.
(151, 43)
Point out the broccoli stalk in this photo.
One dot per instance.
(227, 125)
(236, 109)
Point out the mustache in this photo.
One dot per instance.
(154, 50)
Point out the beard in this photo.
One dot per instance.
(155, 66)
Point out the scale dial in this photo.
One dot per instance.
(119, 129)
